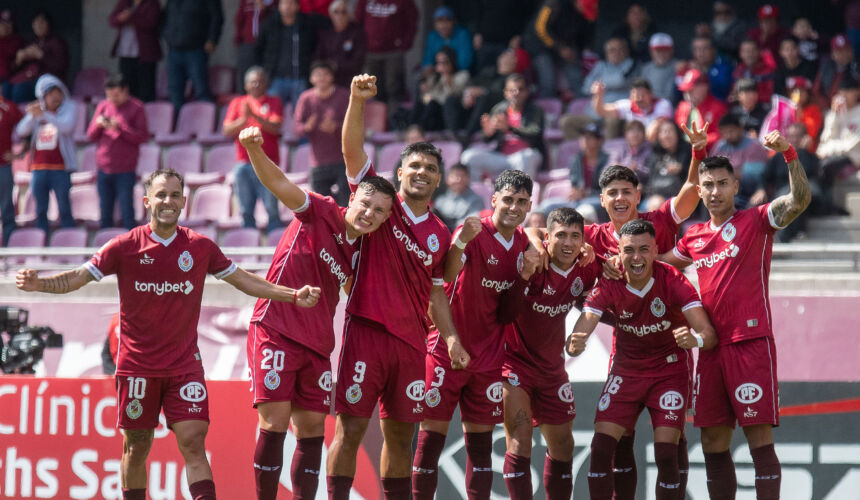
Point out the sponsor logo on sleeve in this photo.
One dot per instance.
(186, 262)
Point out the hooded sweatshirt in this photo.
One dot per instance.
(63, 119)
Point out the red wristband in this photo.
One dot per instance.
(790, 154)
(700, 154)
(295, 295)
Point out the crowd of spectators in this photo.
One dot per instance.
(492, 76)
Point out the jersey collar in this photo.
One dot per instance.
(411, 215)
(644, 291)
(717, 228)
(508, 244)
(163, 241)
(560, 271)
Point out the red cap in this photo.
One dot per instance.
(838, 42)
(768, 11)
(795, 82)
(691, 78)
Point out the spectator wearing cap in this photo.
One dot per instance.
(10, 42)
(748, 109)
(642, 105)
(118, 128)
(769, 32)
(249, 17)
(753, 65)
(808, 112)
(10, 115)
(390, 29)
(616, 71)
(636, 29)
(708, 62)
(556, 38)
(45, 53)
(660, 71)
(191, 29)
(344, 44)
(839, 148)
(726, 29)
(136, 44)
(446, 33)
(790, 64)
(699, 105)
(831, 70)
(747, 155)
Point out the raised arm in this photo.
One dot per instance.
(598, 91)
(688, 197)
(454, 258)
(255, 286)
(270, 174)
(363, 87)
(28, 280)
(440, 313)
(698, 319)
(583, 328)
(787, 207)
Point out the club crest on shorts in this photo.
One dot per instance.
(433, 397)
(134, 409)
(186, 261)
(353, 394)
(658, 308)
(671, 400)
(576, 287)
(513, 379)
(433, 242)
(494, 391)
(272, 380)
(325, 381)
(748, 393)
(415, 390)
(565, 393)
(604, 402)
(728, 233)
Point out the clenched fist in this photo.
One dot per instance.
(363, 86)
(471, 228)
(251, 137)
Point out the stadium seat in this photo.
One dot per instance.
(27, 210)
(274, 236)
(149, 159)
(450, 152)
(89, 83)
(87, 167)
(208, 205)
(221, 79)
(187, 159)
(102, 236)
(375, 116)
(216, 137)
(578, 106)
(300, 164)
(85, 204)
(287, 134)
(389, 155)
(552, 110)
(196, 118)
(207, 231)
(241, 237)
(159, 117)
(68, 237)
(221, 160)
(614, 145)
(484, 190)
(29, 237)
(556, 189)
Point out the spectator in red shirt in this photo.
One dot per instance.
(10, 115)
(808, 112)
(699, 106)
(769, 32)
(249, 17)
(315, 6)
(255, 109)
(319, 116)
(10, 42)
(118, 128)
(45, 53)
(390, 27)
(137, 45)
(753, 65)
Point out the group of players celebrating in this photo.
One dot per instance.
(476, 319)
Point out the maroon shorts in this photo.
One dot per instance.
(141, 399)
(551, 394)
(478, 393)
(284, 370)
(377, 366)
(737, 382)
(624, 397)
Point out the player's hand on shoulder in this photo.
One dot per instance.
(307, 296)
(586, 255)
(27, 280)
(576, 343)
(531, 262)
(775, 141)
(471, 228)
(459, 357)
(250, 137)
(684, 338)
(363, 86)
(612, 268)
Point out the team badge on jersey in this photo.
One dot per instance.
(433, 397)
(353, 394)
(513, 379)
(134, 409)
(520, 262)
(264, 109)
(186, 261)
(272, 380)
(494, 391)
(658, 308)
(576, 287)
(728, 232)
(604, 402)
(565, 393)
(433, 242)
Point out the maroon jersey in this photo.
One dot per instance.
(604, 238)
(489, 268)
(314, 250)
(644, 320)
(397, 266)
(160, 288)
(733, 264)
(536, 337)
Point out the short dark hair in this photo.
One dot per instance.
(116, 80)
(634, 124)
(636, 227)
(163, 172)
(640, 83)
(376, 184)
(424, 148)
(617, 173)
(729, 120)
(715, 163)
(747, 85)
(459, 167)
(322, 64)
(515, 77)
(515, 179)
(565, 216)
(450, 53)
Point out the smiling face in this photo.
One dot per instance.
(510, 208)
(419, 175)
(638, 252)
(165, 201)
(367, 210)
(564, 244)
(717, 189)
(620, 199)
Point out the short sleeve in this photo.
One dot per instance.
(680, 249)
(232, 110)
(219, 265)
(307, 211)
(595, 303)
(767, 219)
(684, 293)
(366, 170)
(105, 261)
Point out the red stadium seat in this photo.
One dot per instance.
(87, 167)
(300, 164)
(184, 158)
(578, 106)
(241, 237)
(80, 130)
(451, 151)
(483, 190)
(216, 137)
(552, 110)
(221, 160)
(556, 189)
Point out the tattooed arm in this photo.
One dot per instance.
(28, 280)
(786, 208)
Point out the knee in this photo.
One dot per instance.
(136, 448)
(520, 442)
(350, 435)
(192, 442)
(561, 448)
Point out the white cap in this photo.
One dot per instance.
(661, 40)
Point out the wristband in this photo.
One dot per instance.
(295, 295)
(700, 341)
(459, 243)
(789, 155)
(700, 154)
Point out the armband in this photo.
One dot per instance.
(789, 155)
(459, 243)
(700, 341)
